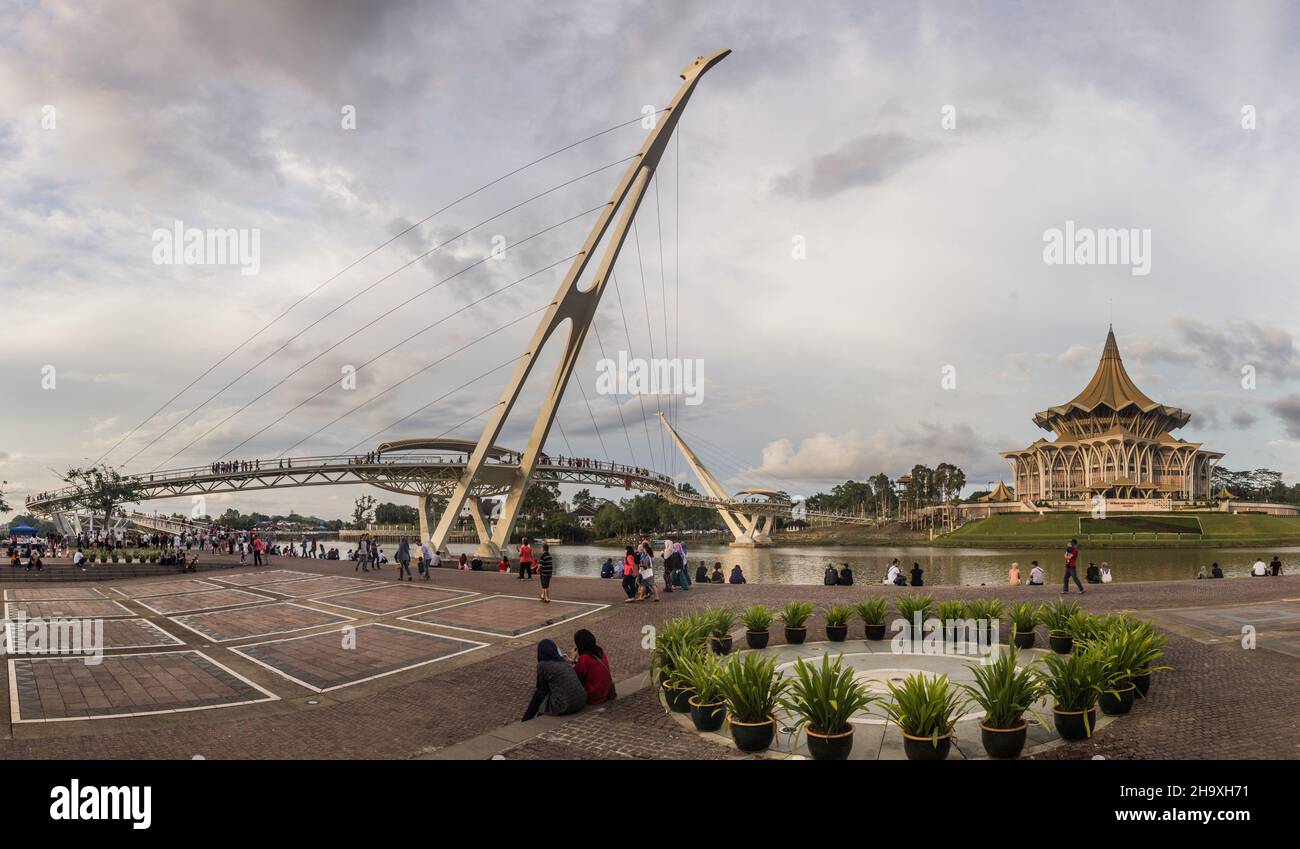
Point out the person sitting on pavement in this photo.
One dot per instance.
(845, 578)
(832, 577)
(717, 577)
(558, 691)
(607, 568)
(737, 576)
(702, 574)
(1093, 574)
(1215, 571)
(1036, 574)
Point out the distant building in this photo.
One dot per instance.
(586, 514)
(1114, 441)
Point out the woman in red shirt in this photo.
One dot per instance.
(525, 560)
(592, 666)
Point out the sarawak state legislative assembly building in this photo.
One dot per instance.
(1112, 440)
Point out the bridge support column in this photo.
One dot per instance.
(486, 547)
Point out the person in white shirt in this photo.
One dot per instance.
(426, 559)
(79, 559)
(893, 573)
(1259, 570)
(1036, 575)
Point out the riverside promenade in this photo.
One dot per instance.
(252, 663)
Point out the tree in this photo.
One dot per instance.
(363, 512)
(102, 488)
(608, 521)
(4, 505)
(583, 498)
(396, 514)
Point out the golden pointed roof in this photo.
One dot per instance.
(1112, 388)
(1000, 493)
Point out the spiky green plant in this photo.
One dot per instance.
(989, 609)
(748, 683)
(1056, 616)
(950, 610)
(909, 605)
(699, 670)
(838, 614)
(795, 613)
(825, 696)
(1074, 681)
(678, 636)
(722, 621)
(756, 618)
(1004, 690)
(1024, 617)
(871, 611)
(926, 706)
(1084, 627)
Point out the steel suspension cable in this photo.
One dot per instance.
(357, 262)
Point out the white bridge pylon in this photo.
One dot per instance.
(749, 529)
(576, 306)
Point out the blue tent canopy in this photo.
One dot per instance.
(24, 530)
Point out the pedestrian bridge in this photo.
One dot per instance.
(429, 469)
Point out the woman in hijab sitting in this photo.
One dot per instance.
(701, 574)
(558, 691)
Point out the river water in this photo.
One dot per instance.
(942, 566)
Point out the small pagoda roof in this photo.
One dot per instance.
(1224, 495)
(1000, 493)
(1111, 388)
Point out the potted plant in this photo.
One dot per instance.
(1152, 648)
(756, 619)
(986, 612)
(909, 606)
(1118, 651)
(699, 671)
(1085, 627)
(1024, 617)
(837, 622)
(1056, 616)
(950, 613)
(824, 698)
(794, 614)
(1074, 681)
(1005, 691)
(872, 613)
(925, 709)
(721, 623)
(751, 690)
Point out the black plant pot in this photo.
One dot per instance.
(830, 747)
(707, 717)
(837, 633)
(1070, 724)
(1004, 742)
(721, 645)
(925, 749)
(757, 639)
(875, 632)
(1143, 683)
(795, 635)
(678, 698)
(1061, 643)
(753, 736)
(1118, 703)
(1024, 639)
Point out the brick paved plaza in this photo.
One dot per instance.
(259, 667)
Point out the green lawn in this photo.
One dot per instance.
(1157, 528)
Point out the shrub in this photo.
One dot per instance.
(824, 697)
(1056, 616)
(926, 706)
(1004, 691)
(795, 613)
(748, 683)
(721, 622)
(1023, 618)
(756, 618)
(871, 611)
(909, 605)
(837, 615)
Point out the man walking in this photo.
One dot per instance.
(426, 560)
(1071, 568)
(545, 569)
(404, 559)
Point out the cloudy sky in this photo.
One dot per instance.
(856, 201)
